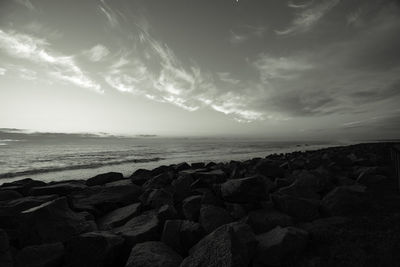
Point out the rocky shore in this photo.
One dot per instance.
(331, 207)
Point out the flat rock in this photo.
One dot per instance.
(244, 190)
(230, 245)
(41, 255)
(153, 254)
(100, 200)
(93, 249)
(104, 178)
(181, 235)
(280, 245)
(119, 216)
(212, 217)
(51, 222)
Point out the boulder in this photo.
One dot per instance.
(60, 189)
(9, 195)
(156, 198)
(181, 186)
(269, 168)
(100, 200)
(191, 207)
(93, 249)
(318, 181)
(51, 222)
(371, 180)
(153, 254)
(160, 181)
(198, 165)
(182, 166)
(325, 228)
(230, 245)
(244, 190)
(104, 178)
(15, 206)
(299, 191)
(6, 259)
(345, 200)
(300, 209)
(144, 227)
(212, 217)
(22, 186)
(119, 216)
(45, 255)
(140, 176)
(4, 242)
(123, 182)
(210, 177)
(181, 235)
(264, 220)
(280, 245)
(166, 212)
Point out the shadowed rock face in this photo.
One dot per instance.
(259, 212)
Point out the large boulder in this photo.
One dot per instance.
(269, 168)
(191, 207)
(230, 245)
(301, 209)
(15, 206)
(99, 200)
(144, 227)
(153, 254)
(263, 220)
(210, 177)
(60, 189)
(140, 176)
(181, 186)
(159, 181)
(46, 255)
(181, 235)
(119, 216)
(344, 200)
(93, 249)
(22, 186)
(325, 228)
(212, 217)
(6, 259)
(244, 190)
(280, 245)
(156, 198)
(52, 221)
(299, 191)
(104, 178)
(9, 195)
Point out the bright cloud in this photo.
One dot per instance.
(97, 53)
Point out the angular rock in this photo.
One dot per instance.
(324, 229)
(191, 207)
(280, 245)
(23, 186)
(6, 259)
(371, 180)
(264, 220)
(181, 186)
(230, 245)
(123, 182)
(198, 165)
(60, 189)
(51, 222)
(269, 168)
(210, 177)
(100, 200)
(181, 235)
(93, 249)
(9, 195)
(212, 217)
(300, 209)
(141, 228)
(119, 216)
(17, 205)
(160, 181)
(140, 176)
(156, 198)
(244, 190)
(344, 200)
(104, 178)
(182, 166)
(166, 212)
(153, 254)
(41, 255)
(299, 191)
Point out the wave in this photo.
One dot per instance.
(76, 167)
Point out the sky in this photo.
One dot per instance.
(278, 69)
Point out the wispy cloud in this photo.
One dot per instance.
(245, 32)
(308, 17)
(26, 3)
(354, 18)
(97, 53)
(3, 71)
(38, 51)
(227, 78)
(111, 15)
(300, 5)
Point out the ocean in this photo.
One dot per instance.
(55, 159)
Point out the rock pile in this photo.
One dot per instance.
(259, 212)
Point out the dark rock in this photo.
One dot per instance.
(181, 186)
(237, 211)
(93, 249)
(210, 177)
(160, 181)
(162, 169)
(280, 245)
(269, 168)
(324, 229)
(166, 212)
(4, 242)
(181, 235)
(344, 200)
(141, 228)
(230, 245)
(318, 180)
(6, 259)
(153, 254)
(191, 207)
(45, 255)
(52, 221)
(212, 217)
(296, 190)
(140, 176)
(104, 178)
(198, 165)
(60, 189)
(182, 166)
(123, 182)
(9, 195)
(245, 190)
(23, 186)
(156, 198)
(264, 220)
(300, 209)
(119, 216)
(371, 180)
(210, 198)
(17, 205)
(100, 200)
